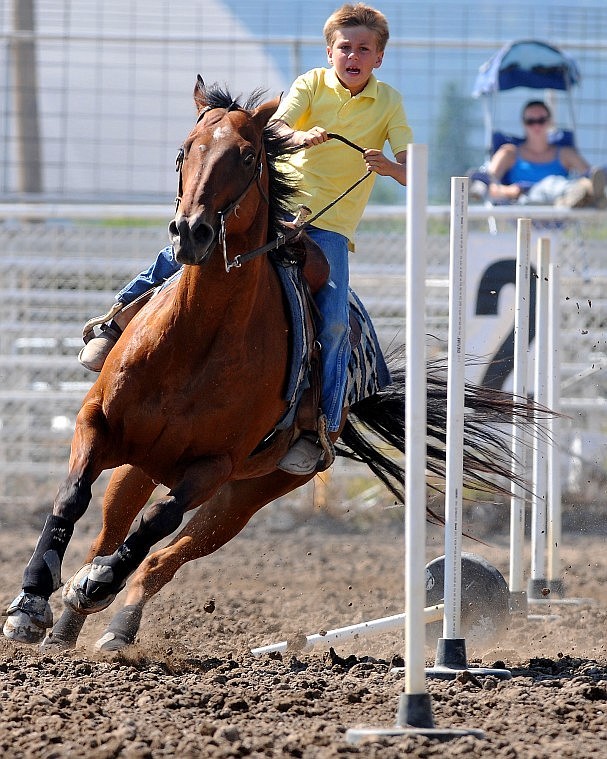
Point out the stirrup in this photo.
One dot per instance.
(326, 444)
(88, 329)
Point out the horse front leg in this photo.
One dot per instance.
(126, 494)
(214, 524)
(96, 585)
(29, 615)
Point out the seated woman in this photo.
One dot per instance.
(537, 171)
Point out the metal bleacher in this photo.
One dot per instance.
(56, 273)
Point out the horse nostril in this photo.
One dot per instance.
(202, 233)
(173, 231)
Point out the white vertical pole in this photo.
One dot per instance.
(455, 406)
(540, 484)
(415, 421)
(521, 350)
(554, 400)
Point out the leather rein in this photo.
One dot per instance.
(281, 239)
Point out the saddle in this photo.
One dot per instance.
(302, 269)
(308, 271)
(309, 255)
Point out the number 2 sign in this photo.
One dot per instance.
(490, 287)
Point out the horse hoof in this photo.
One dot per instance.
(75, 595)
(112, 641)
(52, 644)
(28, 618)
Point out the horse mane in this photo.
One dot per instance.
(281, 188)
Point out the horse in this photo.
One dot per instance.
(194, 385)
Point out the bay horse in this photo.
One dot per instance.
(193, 386)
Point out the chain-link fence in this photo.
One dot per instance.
(57, 273)
(95, 97)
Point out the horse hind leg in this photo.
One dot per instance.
(215, 523)
(122, 630)
(95, 586)
(65, 632)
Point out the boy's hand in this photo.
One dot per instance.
(314, 136)
(376, 161)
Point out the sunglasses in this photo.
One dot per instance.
(540, 120)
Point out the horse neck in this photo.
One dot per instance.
(211, 298)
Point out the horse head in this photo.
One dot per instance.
(221, 173)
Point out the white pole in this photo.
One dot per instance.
(415, 420)
(340, 634)
(455, 407)
(539, 486)
(554, 400)
(521, 350)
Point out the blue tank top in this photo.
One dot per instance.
(528, 173)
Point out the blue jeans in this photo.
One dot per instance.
(332, 302)
(163, 267)
(334, 324)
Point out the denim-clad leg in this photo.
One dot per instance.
(163, 267)
(333, 329)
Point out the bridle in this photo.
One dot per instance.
(232, 207)
(282, 238)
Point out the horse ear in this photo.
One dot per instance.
(264, 112)
(200, 94)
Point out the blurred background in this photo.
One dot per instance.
(96, 98)
(100, 92)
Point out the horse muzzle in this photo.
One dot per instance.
(191, 239)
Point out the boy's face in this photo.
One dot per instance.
(354, 54)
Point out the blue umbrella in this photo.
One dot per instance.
(527, 63)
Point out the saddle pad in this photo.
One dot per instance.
(367, 370)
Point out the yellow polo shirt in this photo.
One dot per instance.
(370, 119)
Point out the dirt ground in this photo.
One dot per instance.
(190, 687)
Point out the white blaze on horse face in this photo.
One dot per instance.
(221, 132)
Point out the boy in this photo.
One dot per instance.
(348, 100)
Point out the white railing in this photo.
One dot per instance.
(61, 264)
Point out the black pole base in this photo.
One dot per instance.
(414, 718)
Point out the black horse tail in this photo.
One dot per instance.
(378, 422)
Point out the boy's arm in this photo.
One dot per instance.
(379, 163)
(314, 136)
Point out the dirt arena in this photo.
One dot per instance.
(191, 688)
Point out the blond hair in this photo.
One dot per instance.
(357, 15)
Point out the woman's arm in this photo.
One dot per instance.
(502, 161)
(573, 161)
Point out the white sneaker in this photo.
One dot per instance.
(303, 457)
(94, 353)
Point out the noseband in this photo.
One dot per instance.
(233, 206)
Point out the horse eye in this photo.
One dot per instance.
(248, 158)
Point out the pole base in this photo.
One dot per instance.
(414, 718)
(556, 588)
(369, 734)
(518, 603)
(451, 661)
(415, 710)
(451, 673)
(537, 589)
